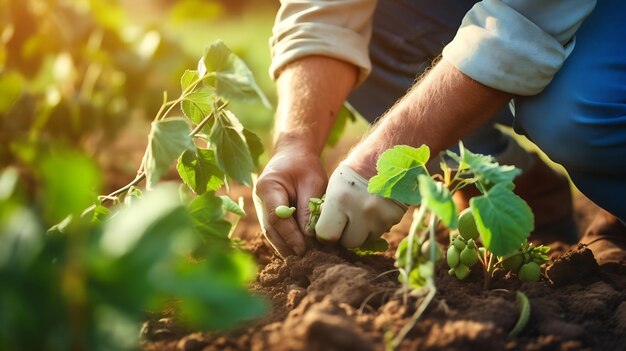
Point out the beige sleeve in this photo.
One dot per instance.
(517, 46)
(339, 29)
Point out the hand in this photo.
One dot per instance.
(291, 178)
(350, 214)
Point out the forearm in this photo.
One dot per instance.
(311, 91)
(438, 111)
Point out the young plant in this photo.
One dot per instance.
(91, 277)
(497, 219)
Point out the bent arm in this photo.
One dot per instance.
(443, 107)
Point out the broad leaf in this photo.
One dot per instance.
(234, 80)
(503, 219)
(255, 145)
(487, 170)
(208, 216)
(233, 155)
(231, 206)
(199, 170)
(188, 78)
(398, 169)
(437, 198)
(167, 140)
(198, 104)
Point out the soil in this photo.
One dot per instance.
(332, 299)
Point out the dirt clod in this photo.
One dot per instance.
(573, 266)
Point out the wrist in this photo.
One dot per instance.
(363, 162)
(300, 141)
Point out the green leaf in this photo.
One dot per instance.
(233, 79)
(199, 170)
(188, 78)
(503, 219)
(167, 140)
(437, 198)
(255, 145)
(487, 170)
(372, 247)
(233, 155)
(346, 113)
(159, 214)
(208, 216)
(398, 169)
(198, 104)
(231, 206)
(71, 183)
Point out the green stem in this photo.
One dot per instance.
(418, 217)
(488, 272)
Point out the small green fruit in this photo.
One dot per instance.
(513, 263)
(453, 256)
(467, 225)
(283, 211)
(529, 272)
(469, 257)
(451, 272)
(458, 243)
(461, 271)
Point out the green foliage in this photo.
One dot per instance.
(503, 219)
(168, 139)
(87, 281)
(199, 170)
(398, 169)
(372, 247)
(437, 198)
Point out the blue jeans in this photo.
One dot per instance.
(579, 120)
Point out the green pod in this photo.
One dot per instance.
(469, 257)
(453, 256)
(467, 225)
(451, 272)
(459, 243)
(283, 211)
(461, 271)
(529, 272)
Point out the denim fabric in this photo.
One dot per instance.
(407, 35)
(579, 120)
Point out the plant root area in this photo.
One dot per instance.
(332, 299)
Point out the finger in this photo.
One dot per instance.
(331, 224)
(355, 234)
(277, 242)
(307, 190)
(271, 196)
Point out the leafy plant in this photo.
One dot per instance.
(87, 281)
(496, 225)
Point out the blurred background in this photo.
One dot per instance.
(90, 74)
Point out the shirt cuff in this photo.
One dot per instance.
(503, 49)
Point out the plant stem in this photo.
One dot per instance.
(488, 272)
(432, 290)
(418, 217)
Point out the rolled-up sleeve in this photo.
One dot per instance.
(516, 46)
(339, 29)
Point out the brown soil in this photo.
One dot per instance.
(331, 299)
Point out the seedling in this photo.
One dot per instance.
(496, 224)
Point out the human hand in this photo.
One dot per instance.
(291, 178)
(350, 214)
